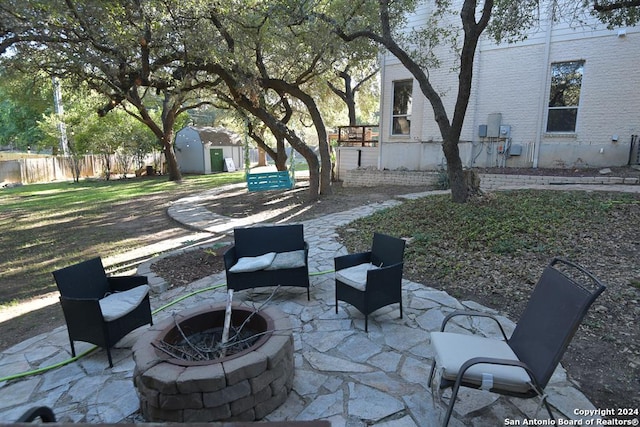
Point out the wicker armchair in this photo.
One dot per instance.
(98, 309)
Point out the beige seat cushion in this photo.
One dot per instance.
(118, 304)
(355, 276)
(453, 350)
(253, 263)
(283, 260)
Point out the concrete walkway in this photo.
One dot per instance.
(343, 374)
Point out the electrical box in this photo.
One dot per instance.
(505, 131)
(515, 150)
(482, 131)
(493, 125)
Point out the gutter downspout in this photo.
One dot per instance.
(543, 90)
(476, 119)
(382, 115)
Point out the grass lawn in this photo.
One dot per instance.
(49, 226)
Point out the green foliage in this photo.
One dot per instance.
(616, 13)
(116, 132)
(442, 182)
(23, 100)
(447, 237)
(510, 20)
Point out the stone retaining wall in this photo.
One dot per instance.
(494, 181)
(373, 177)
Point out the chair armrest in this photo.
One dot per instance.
(472, 314)
(381, 278)
(346, 261)
(82, 311)
(230, 257)
(80, 300)
(124, 283)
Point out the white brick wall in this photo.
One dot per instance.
(514, 80)
(347, 158)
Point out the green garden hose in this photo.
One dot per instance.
(164, 307)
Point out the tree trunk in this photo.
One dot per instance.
(169, 153)
(450, 131)
(169, 112)
(312, 161)
(325, 160)
(172, 162)
(351, 107)
(279, 128)
(318, 123)
(262, 157)
(472, 181)
(314, 178)
(281, 154)
(459, 191)
(276, 126)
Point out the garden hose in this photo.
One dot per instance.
(90, 350)
(47, 368)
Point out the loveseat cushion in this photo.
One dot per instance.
(291, 259)
(355, 276)
(118, 304)
(253, 263)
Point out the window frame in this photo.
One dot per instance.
(402, 115)
(572, 108)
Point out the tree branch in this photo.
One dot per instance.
(615, 5)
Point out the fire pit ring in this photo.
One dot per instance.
(245, 386)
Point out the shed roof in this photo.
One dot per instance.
(217, 136)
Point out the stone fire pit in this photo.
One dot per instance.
(245, 386)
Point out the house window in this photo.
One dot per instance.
(564, 96)
(402, 107)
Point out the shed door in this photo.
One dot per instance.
(217, 160)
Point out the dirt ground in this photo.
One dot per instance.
(581, 360)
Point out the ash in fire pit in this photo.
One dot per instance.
(244, 385)
(199, 338)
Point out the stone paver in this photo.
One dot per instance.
(342, 374)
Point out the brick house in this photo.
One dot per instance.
(566, 97)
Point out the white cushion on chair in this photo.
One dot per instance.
(355, 276)
(453, 350)
(283, 260)
(118, 304)
(253, 263)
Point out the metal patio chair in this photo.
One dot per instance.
(38, 415)
(521, 365)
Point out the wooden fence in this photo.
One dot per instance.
(55, 168)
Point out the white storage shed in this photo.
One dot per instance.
(208, 149)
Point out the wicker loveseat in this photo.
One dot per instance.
(268, 256)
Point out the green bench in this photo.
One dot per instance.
(263, 181)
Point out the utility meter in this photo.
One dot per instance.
(505, 131)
